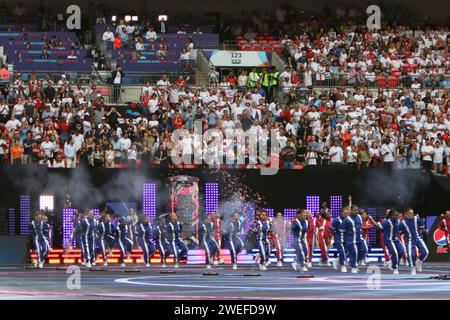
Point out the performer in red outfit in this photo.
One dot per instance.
(323, 224)
(218, 224)
(368, 223)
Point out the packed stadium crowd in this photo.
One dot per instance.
(62, 125)
(402, 124)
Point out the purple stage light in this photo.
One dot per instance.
(149, 200)
(12, 222)
(96, 212)
(270, 212)
(335, 205)
(313, 204)
(67, 217)
(25, 214)
(211, 197)
(46, 202)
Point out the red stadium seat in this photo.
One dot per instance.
(104, 91)
(381, 82)
(393, 81)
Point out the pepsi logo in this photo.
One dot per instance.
(439, 237)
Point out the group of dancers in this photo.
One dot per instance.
(99, 236)
(401, 236)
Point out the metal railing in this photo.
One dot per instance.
(375, 82)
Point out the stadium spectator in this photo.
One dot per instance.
(4, 75)
(108, 35)
(117, 78)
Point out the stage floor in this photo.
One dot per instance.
(189, 283)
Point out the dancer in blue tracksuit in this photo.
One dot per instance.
(105, 236)
(299, 229)
(233, 242)
(122, 234)
(38, 238)
(76, 234)
(390, 227)
(144, 237)
(176, 245)
(261, 227)
(160, 239)
(88, 228)
(47, 233)
(351, 227)
(339, 240)
(412, 228)
(206, 236)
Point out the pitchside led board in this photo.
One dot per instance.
(437, 244)
(220, 58)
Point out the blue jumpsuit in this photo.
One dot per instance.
(88, 227)
(205, 232)
(77, 235)
(299, 229)
(144, 236)
(105, 237)
(46, 230)
(38, 238)
(354, 244)
(232, 240)
(412, 229)
(125, 243)
(175, 243)
(395, 247)
(160, 242)
(262, 242)
(338, 239)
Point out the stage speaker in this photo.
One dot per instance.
(13, 250)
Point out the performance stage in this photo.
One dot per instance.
(189, 283)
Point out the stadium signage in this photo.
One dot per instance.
(220, 58)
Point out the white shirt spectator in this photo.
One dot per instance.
(78, 141)
(388, 151)
(48, 148)
(151, 35)
(108, 36)
(336, 154)
(427, 149)
(56, 164)
(163, 83)
(438, 155)
(140, 46)
(69, 150)
(13, 124)
(18, 109)
(125, 143)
